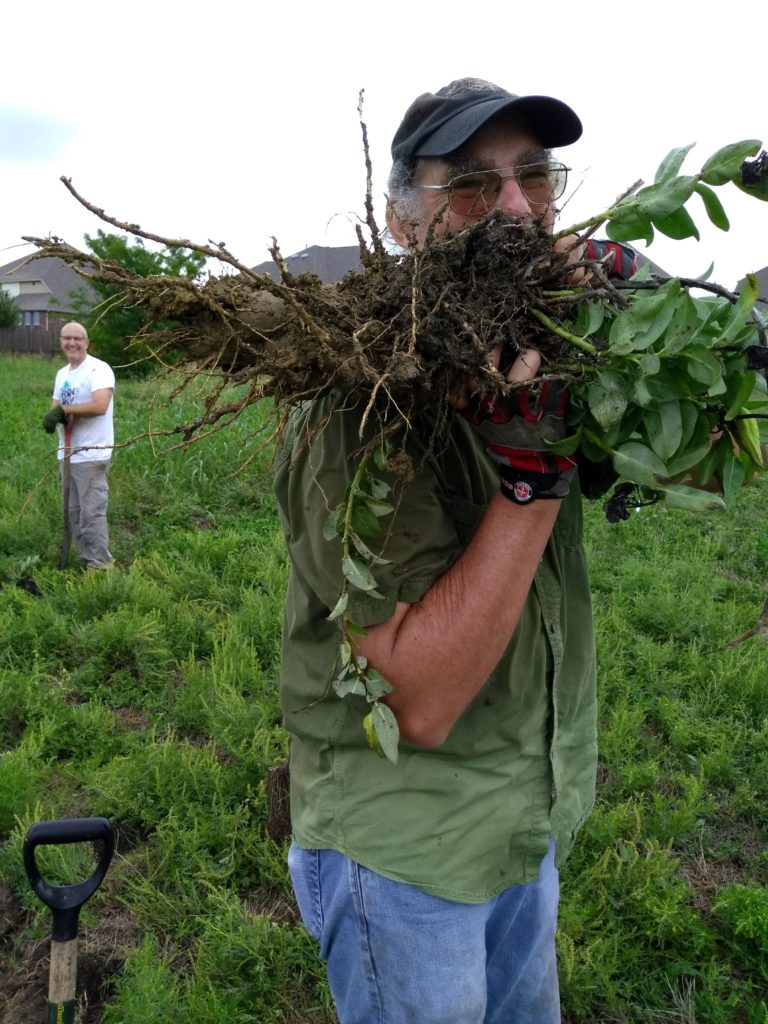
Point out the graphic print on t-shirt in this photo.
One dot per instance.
(68, 393)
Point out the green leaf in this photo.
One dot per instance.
(365, 551)
(607, 398)
(677, 225)
(345, 652)
(731, 476)
(639, 326)
(664, 427)
(738, 394)
(689, 413)
(334, 524)
(370, 733)
(348, 685)
(379, 508)
(714, 207)
(672, 163)
(567, 446)
(743, 306)
(691, 499)
(376, 685)
(634, 461)
(688, 459)
(629, 226)
(590, 318)
(364, 522)
(702, 365)
(641, 393)
(340, 607)
(666, 198)
(385, 729)
(381, 455)
(711, 463)
(354, 629)
(759, 190)
(683, 326)
(649, 364)
(379, 488)
(725, 165)
(358, 574)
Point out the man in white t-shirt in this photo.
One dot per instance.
(82, 411)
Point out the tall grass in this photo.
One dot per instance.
(149, 695)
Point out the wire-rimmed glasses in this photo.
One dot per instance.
(475, 193)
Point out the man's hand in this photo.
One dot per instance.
(518, 429)
(53, 418)
(618, 260)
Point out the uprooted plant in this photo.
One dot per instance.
(666, 377)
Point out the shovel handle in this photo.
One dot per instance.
(65, 901)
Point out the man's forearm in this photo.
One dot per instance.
(438, 654)
(84, 409)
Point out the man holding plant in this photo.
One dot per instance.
(81, 410)
(431, 883)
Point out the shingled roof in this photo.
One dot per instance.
(52, 278)
(330, 263)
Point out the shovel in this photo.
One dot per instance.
(67, 537)
(65, 902)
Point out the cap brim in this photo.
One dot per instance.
(551, 121)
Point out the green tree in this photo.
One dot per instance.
(112, 326)
(10, 314)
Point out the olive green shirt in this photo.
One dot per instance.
(470, 818)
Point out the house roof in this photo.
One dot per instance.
(330, 263)
(55, 279)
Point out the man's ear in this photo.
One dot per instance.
(394, 226)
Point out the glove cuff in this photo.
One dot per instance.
(522, 487)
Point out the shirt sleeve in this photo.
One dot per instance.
(103, 377)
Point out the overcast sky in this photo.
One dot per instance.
(235, 122)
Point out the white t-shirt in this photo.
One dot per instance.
(92, 436)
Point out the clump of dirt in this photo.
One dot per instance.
(401, 336)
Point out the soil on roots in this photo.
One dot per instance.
(401, 336)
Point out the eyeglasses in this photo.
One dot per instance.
(474, 194)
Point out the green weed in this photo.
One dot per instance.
(149, 695)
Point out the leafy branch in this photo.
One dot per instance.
(356, 523)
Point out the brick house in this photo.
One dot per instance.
(41, 288)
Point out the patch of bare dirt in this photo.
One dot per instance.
(25, 962)
(730, 857)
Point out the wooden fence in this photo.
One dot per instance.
(29, 340)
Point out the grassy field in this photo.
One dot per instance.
(148, 695)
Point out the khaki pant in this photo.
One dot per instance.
(88, 494)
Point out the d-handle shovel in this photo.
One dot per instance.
(65, 902)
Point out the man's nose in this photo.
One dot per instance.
(512, 200)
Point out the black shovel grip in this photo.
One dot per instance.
(65, 901)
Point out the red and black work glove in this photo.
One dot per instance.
(620, 260)
(517, 430)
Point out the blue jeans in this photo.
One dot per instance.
(397, 955)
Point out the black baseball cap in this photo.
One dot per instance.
(438, 123)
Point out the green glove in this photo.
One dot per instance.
(53, 418)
